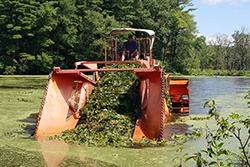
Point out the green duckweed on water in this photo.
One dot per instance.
(20, 99)
(13, 157)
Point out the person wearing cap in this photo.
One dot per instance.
(130, 48)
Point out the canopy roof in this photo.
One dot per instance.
(122, 30)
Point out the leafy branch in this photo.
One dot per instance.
(215, 154)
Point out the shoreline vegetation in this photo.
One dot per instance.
(191, 73)
(209, 72)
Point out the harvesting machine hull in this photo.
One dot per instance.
(68, 90)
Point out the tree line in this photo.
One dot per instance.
(227, 53)
(39, 34)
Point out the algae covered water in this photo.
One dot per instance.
(20, 99)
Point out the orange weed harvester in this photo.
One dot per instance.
(67, 90)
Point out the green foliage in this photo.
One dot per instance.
(122, 10)
(168, 100)
(44, 63)
(9, 70)
(199, 118)
(178, 38)
(248, 97)
(71, 31)
(180, 139)
(216, 154)
(74, 30)
(110, 112)
(227, 54)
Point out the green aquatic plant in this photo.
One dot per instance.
(199, 118)
(110, 113)
(109, 116)
(168, 100)
(75, 161)
(180, 139)
(216, 153)
(248, 97)
(14, 156)
(20, 149)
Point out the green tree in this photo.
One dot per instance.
(181, 36)
(73, 30)
(122, 10)
(147, 16)
(64, 35)
(175, 28)
(43, 41)
(241, 49)
(196, 59)
(16, 24)
(93, 28)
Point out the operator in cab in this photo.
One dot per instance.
(130, 49)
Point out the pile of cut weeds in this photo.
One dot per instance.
(111, 111)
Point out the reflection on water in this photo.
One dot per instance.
(227, 92)
(53, 151)
(176, 128)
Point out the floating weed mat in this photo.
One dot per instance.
(11, 156)
(86, 162)
(110, 113)
(16, 157)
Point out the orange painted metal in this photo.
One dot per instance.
(179, 94)
(60, 108)
(149, 124)
(143, 63)
(153, 105)
(166, 112)
(67, 91)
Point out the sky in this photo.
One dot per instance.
(221, 16)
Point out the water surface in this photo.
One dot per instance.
(228, 93)
(18, 104)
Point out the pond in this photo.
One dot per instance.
(18, 105)
(228, 93)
